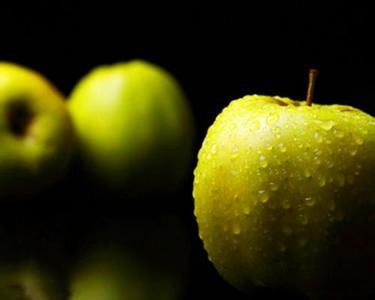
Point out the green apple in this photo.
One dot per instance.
(134, 127)
(284, 196)
(29, 281)
(141, 258)
(36, 132)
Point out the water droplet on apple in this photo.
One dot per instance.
(318, 137)
(309, 201)
(272, 118)
(322, 181)
(358, 140)
(213, 149)
(263, 161)
(236, 229)
(317, 160)
(282, 147)
(327, 125)
(303, 219)
(307, 173)
(274, 186)
(263, 196)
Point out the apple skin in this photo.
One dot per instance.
(134, 126)
(36, 132)
(284, 197)
(138, 258)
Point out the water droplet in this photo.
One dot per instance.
(327, 125)
(318, 137)
(246, 210)
(255, 125)
(353, 152)
(317, 160)
(236, 229)
(264, 197)
(358, 140)
(287, 230)
(213, 149)
(263, 161)
(303, 219)
(282, 147)
(285, 204)
(340, 134)
(307, 173)
(322, 181)
(272, 118)
(309, 201)
(273, 186)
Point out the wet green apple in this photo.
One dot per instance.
(36, 132)
(134, 127)
(284, 196)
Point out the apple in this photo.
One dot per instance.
(284, 196)
(36, 132)
(140, 258)
(134, 127)
(29, 280)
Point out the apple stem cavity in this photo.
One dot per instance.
(313, 73)
(19, 117)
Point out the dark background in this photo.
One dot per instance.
(218, 53)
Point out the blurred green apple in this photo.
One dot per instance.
(284, 196)
(134, 127)
(36, 132)
(29, 281)
(141, 258)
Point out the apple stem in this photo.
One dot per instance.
(313, 73)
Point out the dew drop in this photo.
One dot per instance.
(322, 181)
(327, 125)
(255, 125)
(273, 186)
(282, 148)
(263, 161)
(213, 149)
(236, 229)
(318, 137)
(358, 140)
(272, 118)
(309, 201)
(263, 196)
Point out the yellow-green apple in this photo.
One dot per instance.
(29, 280)
(139, 258)
(284, 196)
(36, 132)
(134, 127)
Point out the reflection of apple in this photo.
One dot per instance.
(35, 130)
(140, 258)
(28, 281)
(134, 127)
(284, 196)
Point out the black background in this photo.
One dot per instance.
(218, 52)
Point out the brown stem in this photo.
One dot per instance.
(310, 90)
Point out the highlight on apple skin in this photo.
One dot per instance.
(36, 132)
(284, 197)
(134, 127)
